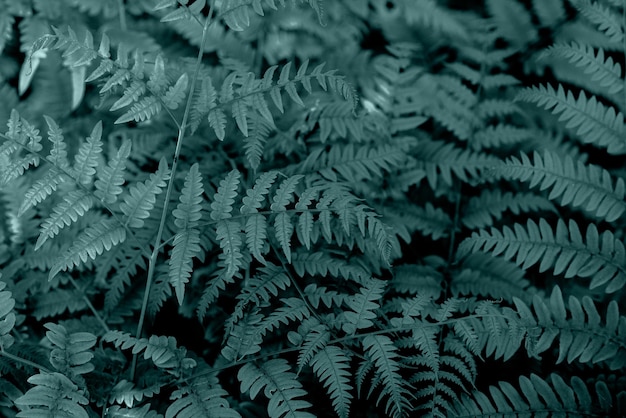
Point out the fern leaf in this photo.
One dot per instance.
(223, 200)
(362, 306)
(603, 17)
(244, 338)
(58, 152)
(597, 124)
(176, 93)
(259, 130)
(279, 385)
(202, 398)
(606, 73)
(536, 396)
(331, 365)
(75, 204)
(86, 159)
(53, 396)
(228, 234)
(549, 12)
(58, 301)
(312, 337)
(71, 353)
(236, 13)
(601, 257)
(39, 191)
(581, 335)
(89, 244)
(7, 317)
(110, 178)
(187, 239)
(142, 196)
(141, 111)
(575, 183)
(383, 353)
(132, 93)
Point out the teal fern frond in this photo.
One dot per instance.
(279, 385)
(54, 395)
(490, 205)
(71, 353)
(577, 326)
(21, 135)
(536, 397)
(187, 239)
(362, 306)
(116, 411)
(384, 355)
(203, 398)
(75, 204)
(596, 123)
(599, 256)
(605, 18)
(58, 301)
(575, 183)
(7, 317)
(236, 13)
(331, 365)
(604, 72)
(163, 351)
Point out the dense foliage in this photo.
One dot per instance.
(356, 208)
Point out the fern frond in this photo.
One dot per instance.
(256, 224)
(596, 123)
(279, 385)
(75, 204)
(7, 317)
(89, 244)
(86, 160)
(606, 19)
(537, 397)
(331, 365)
(58, 301)
(71, 353)
(481, 210)
(110, 178)
(187, 239)
(601, 257)
(116, 411)
(53, 396)
(549, 12)
(244, 338)
(42, 188)
(236, 13)
(582, 336)
(142, 196)
(384, 354)
(201, 398)
(576, 184)
(142, 110)
(606, 73)
(362, 306)
(513, 21)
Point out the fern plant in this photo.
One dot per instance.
(296, 209)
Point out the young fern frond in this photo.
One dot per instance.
(575, 183)
(71, 353)
(279, 385)
(331, 365)
(362, 306)
(599, 256)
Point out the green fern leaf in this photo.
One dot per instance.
(608, 21)
(228, 234)
(54, 396)
(575, 183)
(132, 93)
(202, 398)
(244, 338)
(86, 159)
(331, 365)
(141, 110)
(597, 124)
(112, 177)
(7, 317)
(187, 239)
(176, 93)
(312, 337)
(142, 196)
(89, 244)
(383, 353)
(39, 191)
(236, 13)
(116, 411)
(58, 153)
(71, 353)
(75, 204)
(362, 306)
(601, 257)
(58, 301)
(256, 224)
(606, 73)
(279, 385)
(223, 200)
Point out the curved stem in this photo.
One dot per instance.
(24, 361)
(157, 241)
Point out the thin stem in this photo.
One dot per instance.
(24, 361)
(157, 241)
(122, 12)
(90, 306)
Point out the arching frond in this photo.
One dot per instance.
(53, 395)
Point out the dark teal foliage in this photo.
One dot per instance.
(357, 208)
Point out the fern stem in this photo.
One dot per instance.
(157, 241)
(24, 361)
(122, 13)
(90, 306)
